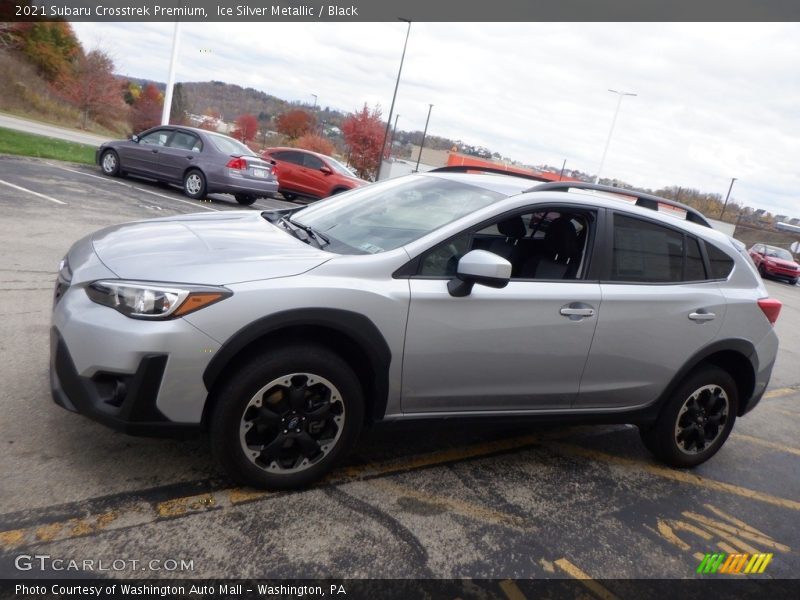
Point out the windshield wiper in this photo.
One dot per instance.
(311, 231)
(301, 232)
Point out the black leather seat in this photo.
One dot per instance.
(562, 251)
(514, 230)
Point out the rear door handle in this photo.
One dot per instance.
(577, 310)
(702, 316)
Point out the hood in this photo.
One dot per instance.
(210, 249)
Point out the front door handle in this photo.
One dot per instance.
(701, 316)
(577, 310)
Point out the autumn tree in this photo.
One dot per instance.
(315, 143)
(295, 123)
(178, 112)
(363, 134)
(50, 46)
(146, 111)
(89, 85)
(245, 127)
(130, 91)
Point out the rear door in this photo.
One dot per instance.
(289, 170)
(659, 308)
(182, 151)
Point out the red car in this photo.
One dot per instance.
(308, 174)
(775, 262)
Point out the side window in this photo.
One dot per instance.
(312, 162)
(548, 244)
(185, 141)
(291, 157)
(721, 264)
(646, 252)
(156, 138)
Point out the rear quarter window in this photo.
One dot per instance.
(720, 263)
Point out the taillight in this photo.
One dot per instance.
(771, 308)
(238, 164)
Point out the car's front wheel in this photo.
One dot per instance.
(696, 420)
(284, 419)
(245, 199)
(109, 162)
(194, 184)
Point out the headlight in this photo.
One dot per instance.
(140, 300)
(64, 272)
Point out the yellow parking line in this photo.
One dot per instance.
(767, 444)
(676, 475)
(585, 579)
(467, 509)
(511, 590)
(780, 392)
(734, 521)
(722, 528)
(668, 534)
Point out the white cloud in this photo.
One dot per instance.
(714, 101)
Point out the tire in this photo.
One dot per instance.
(762, 271)
(289, 196)
(109, 163)
(194, 184)
(245, 199)
(261, 439)
(338, 191)
(707, 397)
(793, 281)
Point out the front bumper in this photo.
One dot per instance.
(126, 403)
(782, 272)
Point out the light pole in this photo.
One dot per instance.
(394, 97)
(724, 206)
(315, 102)
(564, 166)
(173, 62)
(391, 139)
(424, 133)
(611, 131)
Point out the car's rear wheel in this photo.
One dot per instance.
(194, 184)
(284, 419)
(289, 196)
(109, 162)
(696, 420)
(245, 199)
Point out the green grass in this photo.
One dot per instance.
(28, 144)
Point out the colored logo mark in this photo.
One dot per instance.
(734, 563)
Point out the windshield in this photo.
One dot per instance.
(384, 216)
(778, 253)
(339, 167)
(229, 145)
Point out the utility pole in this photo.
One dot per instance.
(724, 206)
(561, 176)
(394, 97)
(391, 139)
(173, 63)
(424, 133)
(611, 131)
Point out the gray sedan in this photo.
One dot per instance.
(202, 162)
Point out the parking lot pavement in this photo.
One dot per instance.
(434, 499)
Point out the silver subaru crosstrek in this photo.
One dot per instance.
(444, 294)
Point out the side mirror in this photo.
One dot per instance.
(135, 138)
(479, 266)
(326, 170)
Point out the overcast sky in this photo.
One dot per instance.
(714, 101)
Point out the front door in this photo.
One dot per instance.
(523, 347)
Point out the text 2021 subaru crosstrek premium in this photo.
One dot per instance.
(438, 294)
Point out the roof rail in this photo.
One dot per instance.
(467, 168)
(642, 199)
